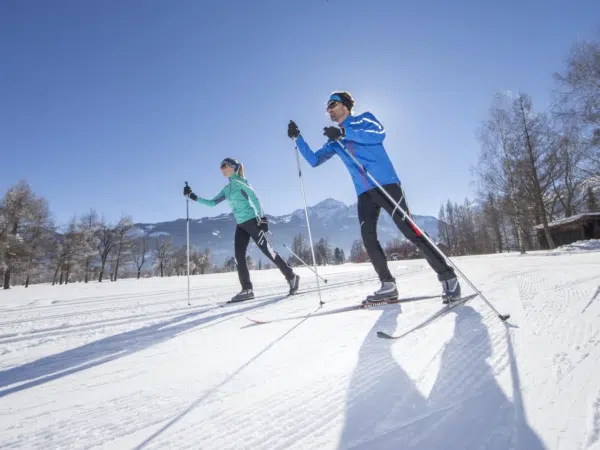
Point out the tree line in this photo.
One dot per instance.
(34, 250)
(533, 167)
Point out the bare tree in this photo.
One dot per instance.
(494, 220)
(392, 247)
(579, 86)
(163, 252)
(568, 187)
(443, 228)
(180, 260)
(106, 237)
(88, 226)
(539, 169)
(122, 241)
(501, 165)
(301, 247)
(73, 242)
(451, 228)
(139, 247)
(201, 261)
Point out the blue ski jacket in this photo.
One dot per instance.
(363, 137)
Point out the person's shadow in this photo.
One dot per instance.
(112, 347)
(381, 395)
(466, 408)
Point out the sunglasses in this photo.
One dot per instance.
(332, 104)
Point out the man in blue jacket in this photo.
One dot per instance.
(363, 135)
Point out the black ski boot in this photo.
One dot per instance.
(451, 291)
(387, 293)
(245, 294)
(294, 283)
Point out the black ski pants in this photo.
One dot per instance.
(369, 206)
(243, 232)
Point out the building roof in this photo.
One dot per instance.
(567, 220)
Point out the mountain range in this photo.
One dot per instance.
(330, 219)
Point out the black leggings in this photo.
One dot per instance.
(369, 206)
(243, 232)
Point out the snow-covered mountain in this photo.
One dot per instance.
(329, 219)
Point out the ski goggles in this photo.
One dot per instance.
(333, 101)
(229, 163)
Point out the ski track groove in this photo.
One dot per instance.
(100, 299)
(596, 294)
(165, 409)
(87, 326)
(278, 422)
(65, 432)
(210, 300)
(303, 416)
(39, 338)
(594, 427)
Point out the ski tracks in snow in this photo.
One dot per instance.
(561, 372)
(468, 381)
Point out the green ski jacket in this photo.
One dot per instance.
(241, 198)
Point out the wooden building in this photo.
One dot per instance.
(571, 229)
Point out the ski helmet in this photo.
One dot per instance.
(230, 162)
(344, 97)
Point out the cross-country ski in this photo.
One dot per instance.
(436, 315)
(362, 305)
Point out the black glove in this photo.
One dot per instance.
(333, 133)
(293, 130)
(188, 191)
(263, 224)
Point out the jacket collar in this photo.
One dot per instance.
(347, 121)
(235, 177)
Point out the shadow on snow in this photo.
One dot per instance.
(466, 408)
(107, 349)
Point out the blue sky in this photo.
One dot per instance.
(112, 105)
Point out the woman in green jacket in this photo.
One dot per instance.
(251, 223)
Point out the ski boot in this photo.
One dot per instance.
(451, 291)
(386, 294)
(245, 294)
(294, 283)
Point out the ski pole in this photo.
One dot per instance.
(312, 249)
(187, 223)
(405, 216)
(300, 259)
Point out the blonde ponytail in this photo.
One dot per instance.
(240, 170)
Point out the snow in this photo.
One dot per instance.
(579, 246)
(570, 219)
(159, 233)
(129, 365)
